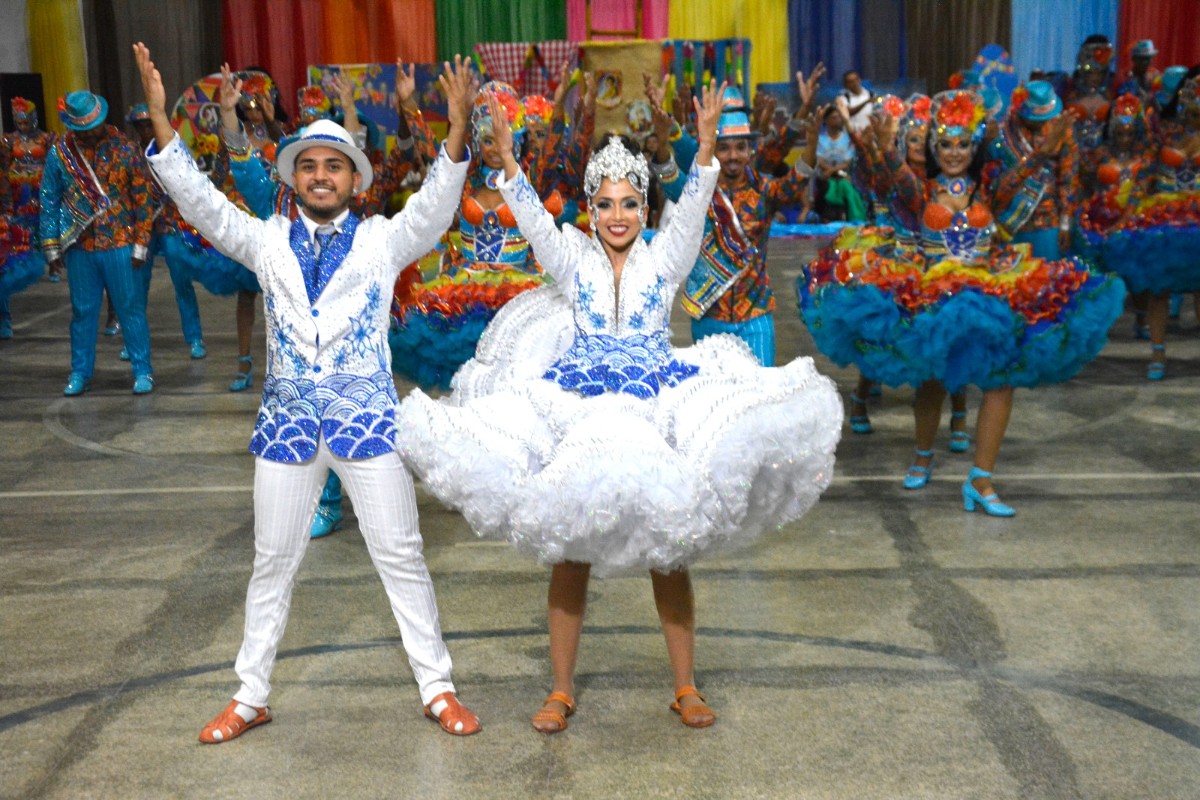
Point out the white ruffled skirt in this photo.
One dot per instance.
(622, 483)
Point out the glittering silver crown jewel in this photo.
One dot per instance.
(614, 161)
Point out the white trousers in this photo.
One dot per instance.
(285, 499)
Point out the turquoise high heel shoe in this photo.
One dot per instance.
(1158, 367)
(860, 423)
(990, 502)
(245, 379)
(917, 475)
(960, 441)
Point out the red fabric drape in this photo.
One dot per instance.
(285, 36)
(1174, 27)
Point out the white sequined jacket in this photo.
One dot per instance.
(328, 362)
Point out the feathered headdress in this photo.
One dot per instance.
(957, 113)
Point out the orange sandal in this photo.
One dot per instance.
(550, 716)
(455, 719)
(230, 725)
(694, 716)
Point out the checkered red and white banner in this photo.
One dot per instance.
(531, 67)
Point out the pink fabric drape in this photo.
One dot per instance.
(616, 15)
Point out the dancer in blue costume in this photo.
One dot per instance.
(953, 313)
(1128, 229)
(166, 239)
(22, 160)
(582, 437)
(912, 133)
(96, 217)
(1147, 226)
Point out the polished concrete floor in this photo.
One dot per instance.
(888, 645)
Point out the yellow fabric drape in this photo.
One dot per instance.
(763, 22)
(56, 51)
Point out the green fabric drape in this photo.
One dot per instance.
(460, 26)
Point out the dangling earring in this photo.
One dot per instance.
(642, 215)
(592, 221)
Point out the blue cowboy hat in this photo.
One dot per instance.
(1171, 78)
(82, 111)
(1041, 104)
(1143, 47)
(138, 112)
(734, 122)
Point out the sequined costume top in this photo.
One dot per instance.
(622, 333)
(963, 235)
(1121, 181)
(22, 159)
(1177, 172)
(1090, 121)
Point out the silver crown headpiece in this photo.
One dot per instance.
(615, 162)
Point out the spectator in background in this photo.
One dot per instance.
(858, 100)
(836, 198)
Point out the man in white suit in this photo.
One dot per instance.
(328, 399)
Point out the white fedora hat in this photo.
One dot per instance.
(322, 133)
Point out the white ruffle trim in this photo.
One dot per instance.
(619, 482)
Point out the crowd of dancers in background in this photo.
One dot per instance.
(998, 240)
(974, 205)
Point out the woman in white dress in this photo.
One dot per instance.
(578, 434)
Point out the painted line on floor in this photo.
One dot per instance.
(841, 479)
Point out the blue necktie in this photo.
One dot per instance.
(324, 236)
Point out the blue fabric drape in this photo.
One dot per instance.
(863, 35)
(825, 31)
(1052, 30)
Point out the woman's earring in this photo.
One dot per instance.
(642, 215)
(592, 222)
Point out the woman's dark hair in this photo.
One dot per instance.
(630, 143)
(1171, 109)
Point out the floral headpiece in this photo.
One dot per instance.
(916, 117)
(23, 109)
(615, 162)
(957, 113)
(1095, 56)
(537, 107)
(253, 85)
(314, 104)
(1126, 112)
(481, 118)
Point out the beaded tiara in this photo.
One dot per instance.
(616, 163)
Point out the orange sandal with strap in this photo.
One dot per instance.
(230, 725)
(696, 715)
(553, 720)
(455, 719)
